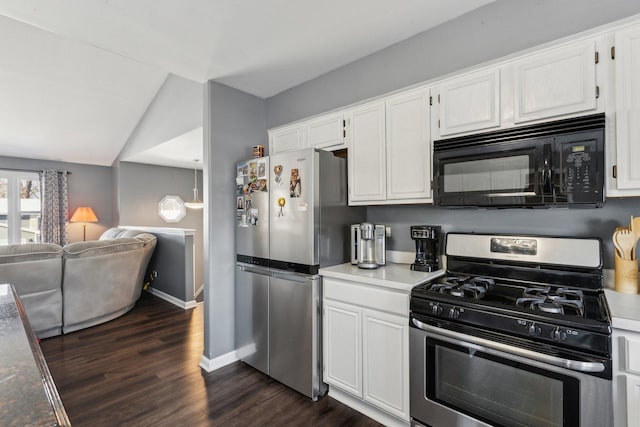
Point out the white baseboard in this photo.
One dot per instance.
(211, 365)
(366, 409)
(173, 300)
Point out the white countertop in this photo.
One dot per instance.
(625, 310)
(393, 276)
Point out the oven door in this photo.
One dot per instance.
(462, 380)
(514, 174)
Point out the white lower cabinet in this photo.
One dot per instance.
(633, 400)
(343, 346)
(626, 378)
(384, 362)
(366, 344)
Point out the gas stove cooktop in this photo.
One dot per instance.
(541, 289)
(554, 302)
(559, 316)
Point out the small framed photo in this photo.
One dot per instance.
(262, 170)
(240, 203)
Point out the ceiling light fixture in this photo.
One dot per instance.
(196, 203)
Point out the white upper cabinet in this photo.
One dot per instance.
(366, 134)
(555, 82)
(408, 146)
(627, 77)
(390, 150)
(326, 132)
(286, 139)
(390, 141)
(469, 103)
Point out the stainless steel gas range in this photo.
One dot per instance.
(517, 333)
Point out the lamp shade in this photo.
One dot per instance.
(84, 214)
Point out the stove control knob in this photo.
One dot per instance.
(558, 334)
(436, 309)
(454, 312)
(534, 330)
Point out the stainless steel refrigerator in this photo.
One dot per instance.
(292, 219)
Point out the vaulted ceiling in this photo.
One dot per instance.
(77, 76)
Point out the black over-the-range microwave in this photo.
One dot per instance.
(559, 163)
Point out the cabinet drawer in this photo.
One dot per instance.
(368, 296)
(632, 354)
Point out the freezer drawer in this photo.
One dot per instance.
(252, 316)
(295, 354)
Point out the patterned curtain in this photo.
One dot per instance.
(55, 207)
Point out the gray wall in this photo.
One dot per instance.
(170, 262)
(492, 31)
(89, 185)
(599, 222)
(141, 187)
(175, 110)
(233, 122)
(495, 30)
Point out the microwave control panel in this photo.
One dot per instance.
(580, 169)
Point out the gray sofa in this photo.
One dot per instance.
(35, 270)
(64, 289)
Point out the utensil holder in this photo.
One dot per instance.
(626, 275)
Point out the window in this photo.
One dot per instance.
(19, 207)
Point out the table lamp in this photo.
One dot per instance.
(84, 214)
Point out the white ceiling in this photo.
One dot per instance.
(77, 75)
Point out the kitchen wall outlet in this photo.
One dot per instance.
(387, 231)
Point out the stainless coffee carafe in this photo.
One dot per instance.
(368, 245)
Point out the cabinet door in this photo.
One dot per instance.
(342, 346)
(367, 177)
(470, 102)
(285, 139)
(408, 146)
(326, 131)
(627, 65)
(386, 362)
(557, 82)
(633, 398)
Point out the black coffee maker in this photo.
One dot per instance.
(427, 247)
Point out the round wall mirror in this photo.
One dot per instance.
(171, 209)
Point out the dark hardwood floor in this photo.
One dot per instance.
(142, 370)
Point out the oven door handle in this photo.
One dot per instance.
(492, 347)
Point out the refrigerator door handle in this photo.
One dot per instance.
(293, 277)
(256, 270)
